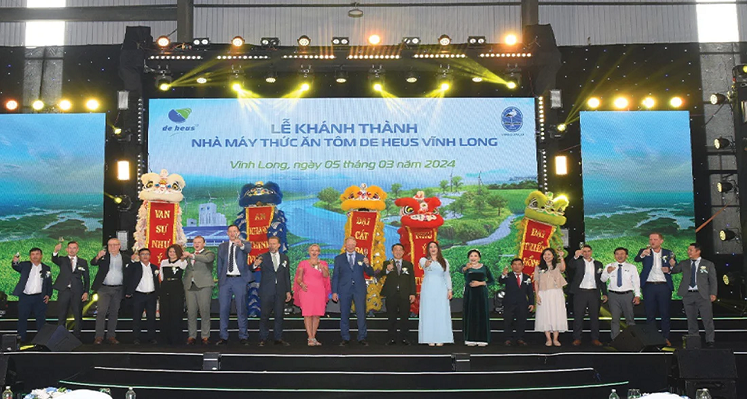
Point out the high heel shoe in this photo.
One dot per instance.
(311, 342)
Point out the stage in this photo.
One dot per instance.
(162, 371)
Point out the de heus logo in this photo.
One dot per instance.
(179, 115)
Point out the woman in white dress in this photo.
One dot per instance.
(434, 324)
(551, 315)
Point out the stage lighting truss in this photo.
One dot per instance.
(476, 41)
(374, 57)
(505, 55)
(722, 143)
(200, 42)
(728, 235)
(411, 41)
(340, 41)
(269, 42)
(310, 56)
(175, 57)
(725, 186)
(440, 55)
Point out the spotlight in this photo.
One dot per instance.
(727, 235)
(202, 80)
(305, 87)
(271, 77)
(65, 105)
(163, 80)
(37, 105)
(621, 103)
(11, 105)
(236, 86)
(163, 41)
(411, 77)
(307, 76)
(561, 127)
(235, 81)
(511, 39)
(341, 76)
(561, 163)
(123, 202)
(511, 85)
(444, 85)
(92, 104)
(200, 42)
(123, 170)
(378, 87)
(355, 12)
(269, 42)
(444, 40)
(718, 98)
(304, 41)
(724, 186)
(374, 40)
(237, 41)
(476, 40)
(676, 102)
(593, 103)
(476, 79)
(648, 102)
(411, 41)
(721, 143)
(117, 131)
(739, 73)
(340, 41)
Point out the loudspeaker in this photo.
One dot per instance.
(56, 339)
(715, 369)
(691, 342)
(460, 362)
(7, 371)
(638, 338)
(546, 57)
(10, 343)
(211, 361)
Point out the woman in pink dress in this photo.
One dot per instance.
(312, 289)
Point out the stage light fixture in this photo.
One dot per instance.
(340, 41)
(561, 127)
(123, 170)
(444, 40)
(621, 103)
(341, 76)
(92, 104)
(477, 79)
(237, 41)
(11, 105)
(411, 77)
(374, 40)
(727, 235)
(117, 131)
(676, 102)
(355, 12)
(37, 105)
(202, 80)
(200, 42)
(511, 39)
(65, 105)
(724, 186)
(269, 42)
(378, 86)
(236, 81)
(163, 80)
(163, 41)
(648, 102)
(305, 87)
(476, 40)
(271, 77)
(411, 41)
(717, 98)
(123, 202)
(304, 41)
(721, 143)
(739, 74)
(561, 164)
(593, 103)
(511, 85)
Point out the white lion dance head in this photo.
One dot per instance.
(159, 187)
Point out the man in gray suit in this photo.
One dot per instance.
(198, 287)
(698, 289)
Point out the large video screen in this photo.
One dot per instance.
(638, 179)
(478, 155)
(52, 177)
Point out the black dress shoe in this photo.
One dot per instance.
(344, 342)
(262, 343)
(363, 342)
(391, 342)
(521, 343)
(281, 342)
(405, 342)
(508, 342)
(244, 341)
(221, 342)
(710, 344)
(152, 341)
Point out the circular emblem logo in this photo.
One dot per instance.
(179, 115)
(512, 119)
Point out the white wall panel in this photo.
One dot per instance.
(742, 21)
(12, 33)
(82, 33)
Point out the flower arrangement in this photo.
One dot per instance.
(46, 393)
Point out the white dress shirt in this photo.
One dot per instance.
(630, 280)
(235, 272)
(588, 283)
(690, 265)
(35, 281)
(145, 285)
(114, 276)
(275, 260)
(656, 275)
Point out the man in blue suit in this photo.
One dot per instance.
(233, 278)
(348, 286)
(656, 281)
(33, 290)
(274, 290)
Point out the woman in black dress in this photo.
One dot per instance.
(476, 314)
(172, 294)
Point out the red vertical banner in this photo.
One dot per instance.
(363, 229)
(418, 239)
(536, 238)
(161, 232)
(258, 220)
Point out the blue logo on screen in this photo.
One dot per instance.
(179, 115)
(512, 119)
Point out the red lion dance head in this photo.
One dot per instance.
(419, 211)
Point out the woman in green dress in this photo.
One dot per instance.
(476, 314)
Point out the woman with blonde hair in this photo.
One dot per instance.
(312, 289)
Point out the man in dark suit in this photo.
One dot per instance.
(518, 301)
(33, 290)
(233, 277)
(399, 290)
(587, 288)
(274, 290)
(141, 284)
(348, 287)
(109, 286)
(656, 281)
(72, 285)
(698, 290)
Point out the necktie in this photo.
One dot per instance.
(275, 261)
(399, 267)
(73, 263)
(518, 279)
(231, 257)
(619, 275)
(692, 275)
(351, 260)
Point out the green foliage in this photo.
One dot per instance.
(394, 190)
(444, 185)
(456, 181)
(497, 201)
(329, 196)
